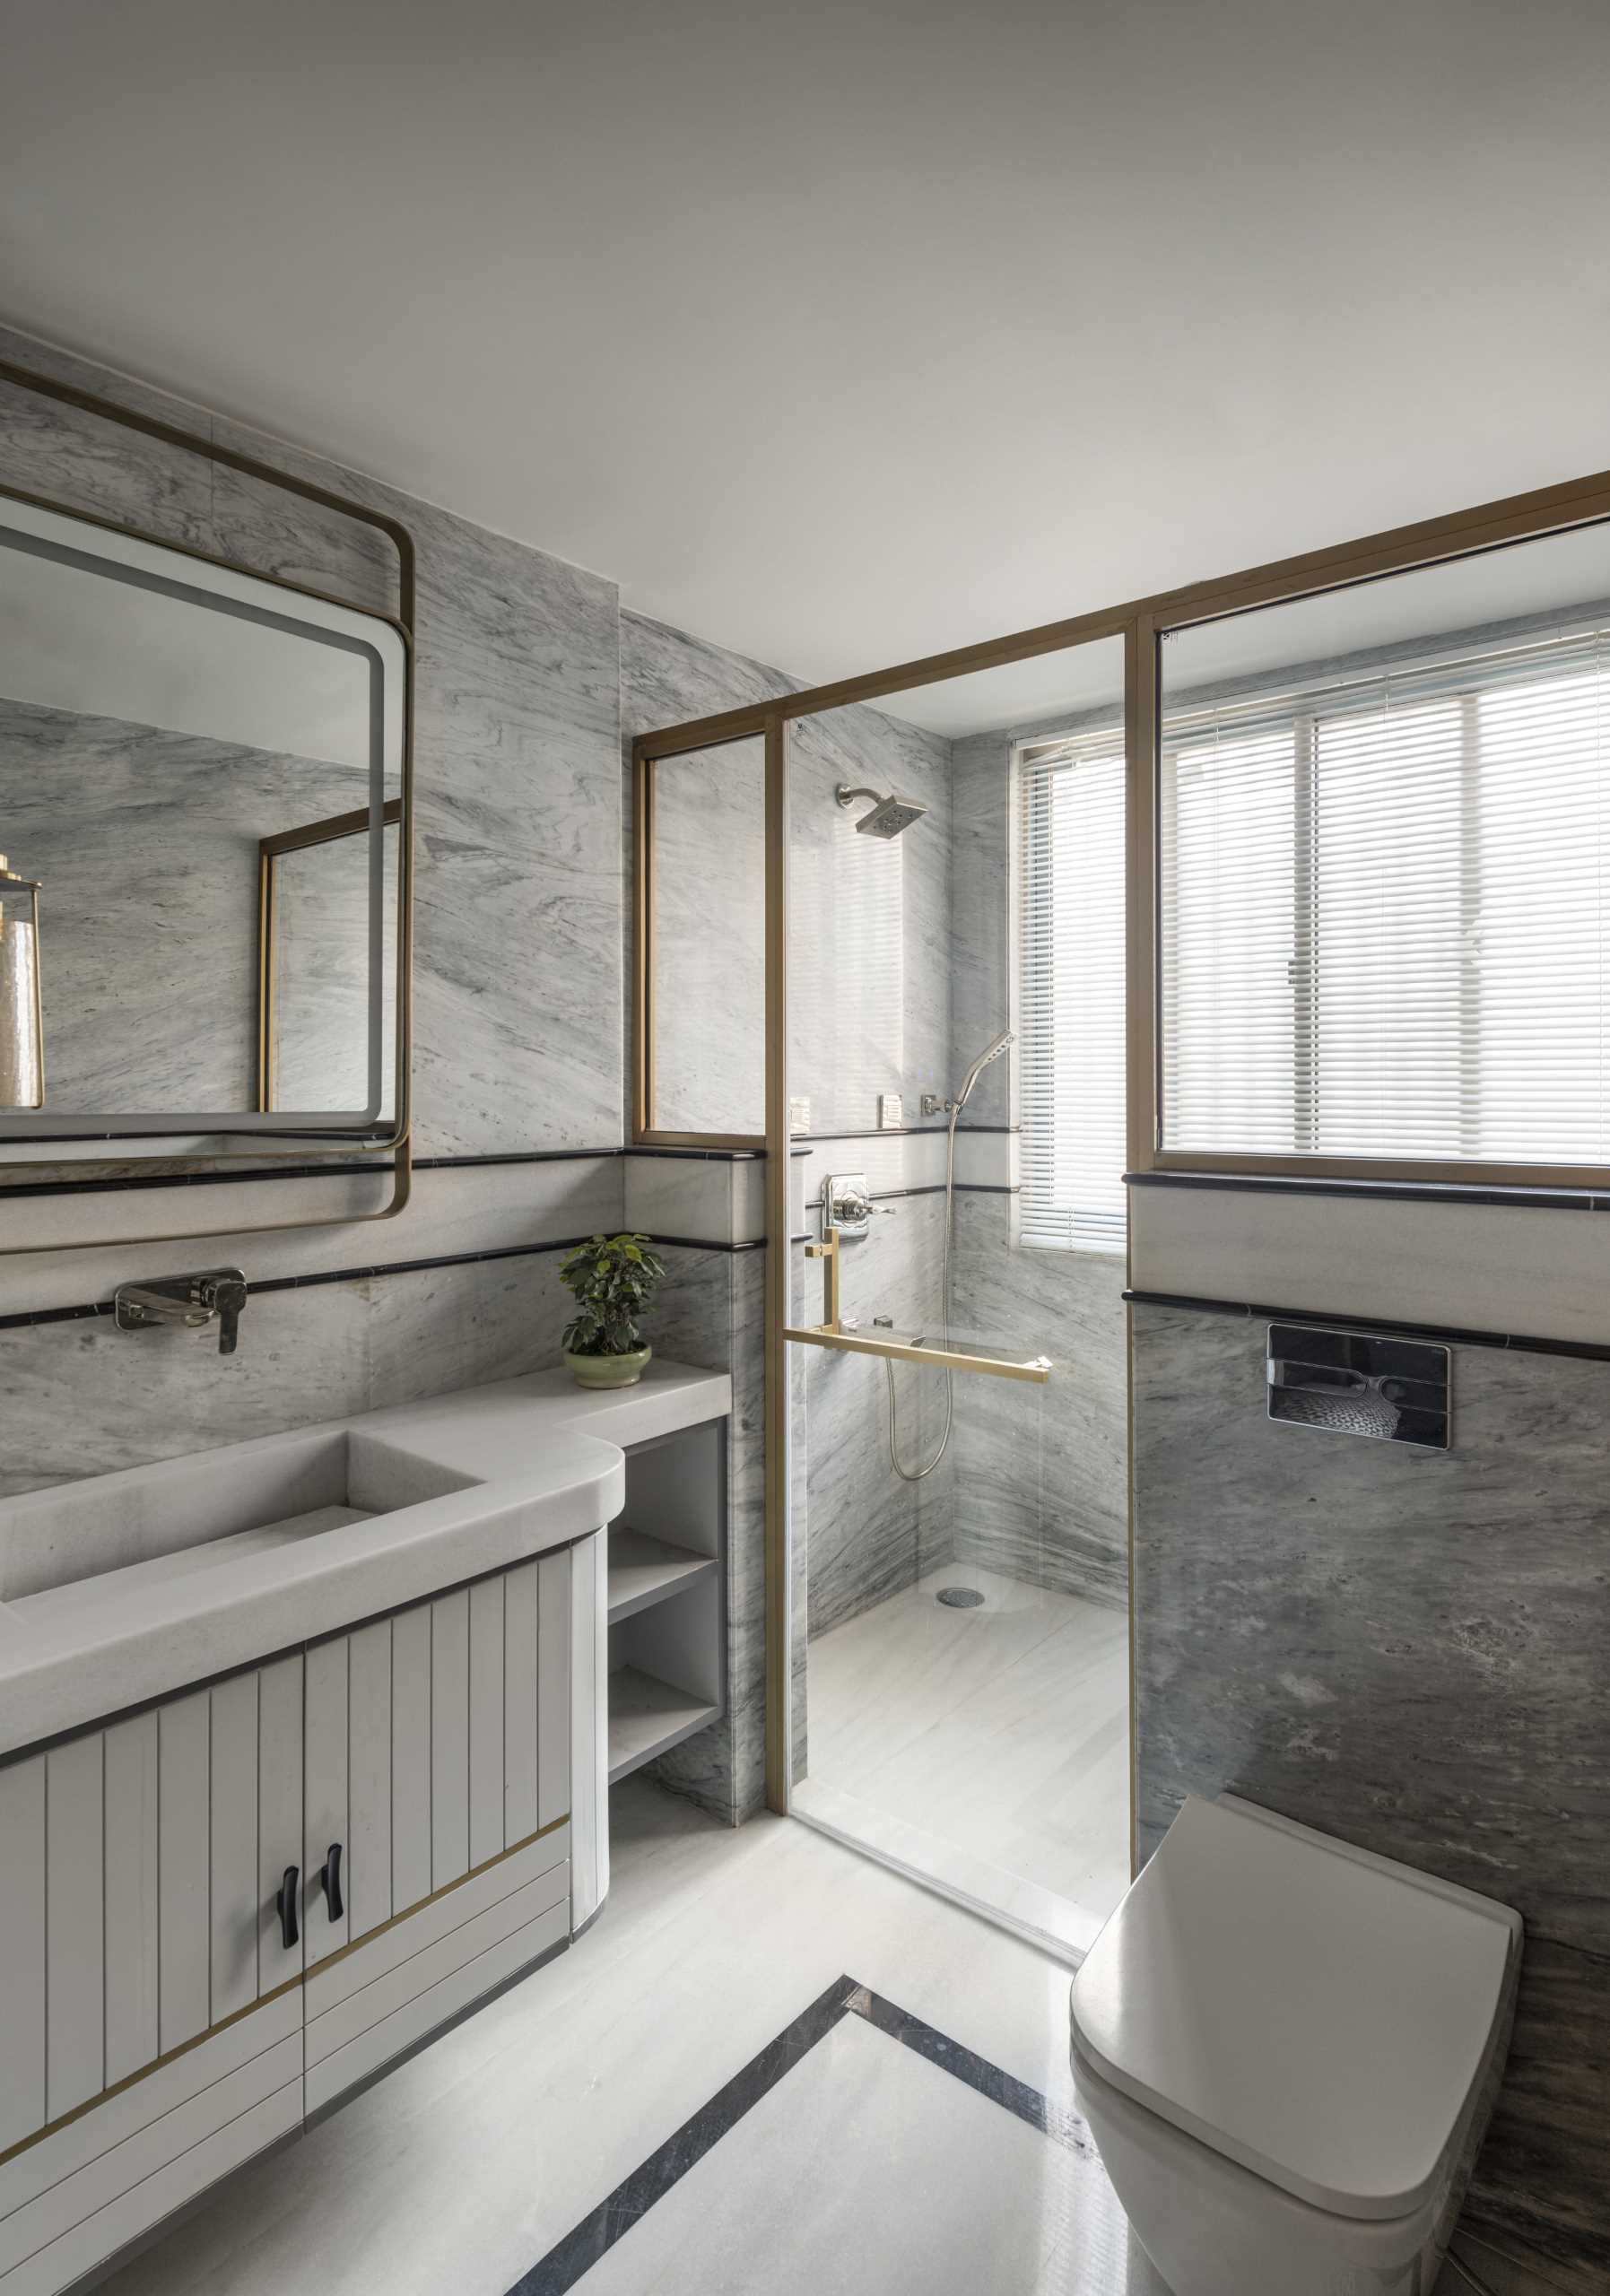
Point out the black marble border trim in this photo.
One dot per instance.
(1511, 1199)
(346, 1168)
(1590, 1351)
(572, 2257)
(373, 1270)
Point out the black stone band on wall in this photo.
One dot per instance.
(1591, 1350)
(1509, 1199)
(85, 1311)
(344, 1169)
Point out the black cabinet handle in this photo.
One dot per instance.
(285, 1905)
(330, 1877)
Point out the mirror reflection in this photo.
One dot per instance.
(200, 808)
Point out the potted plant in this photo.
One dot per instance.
(614, 1278)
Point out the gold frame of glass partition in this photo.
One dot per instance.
(1140, 623)
(397, 1145)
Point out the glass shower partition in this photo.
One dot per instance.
(959, 1508)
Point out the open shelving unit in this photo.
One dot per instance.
(666, 1626)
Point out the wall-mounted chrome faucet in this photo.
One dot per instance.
(189, 1301)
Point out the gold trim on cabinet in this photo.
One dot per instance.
(446, 1890)
(131, 2080)
(397, 1145)
(1038, 1368)
(169, 2057)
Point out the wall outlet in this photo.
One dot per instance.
(799, 1114)
(890, 1116)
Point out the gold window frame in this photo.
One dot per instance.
(397, 1145)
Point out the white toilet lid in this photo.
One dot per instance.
(1319, 2015)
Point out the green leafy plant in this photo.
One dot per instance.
(614, 1278)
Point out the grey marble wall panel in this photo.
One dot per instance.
(981, 917)
(708, 986)
(1407, 1649)
(84, 1398)
(869, 921)
(1041, 1474)
(869, 948)
(667, 677)
(454, 1208)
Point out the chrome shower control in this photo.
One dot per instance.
(847, 1204)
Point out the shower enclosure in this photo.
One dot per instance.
(882, 878)
(949, 1596)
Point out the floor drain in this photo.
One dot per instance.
(959, 1598)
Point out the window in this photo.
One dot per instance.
(1070, 1018)
(1383, 925)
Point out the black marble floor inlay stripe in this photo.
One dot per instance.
(631, 2201)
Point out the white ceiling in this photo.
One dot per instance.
(844, 333)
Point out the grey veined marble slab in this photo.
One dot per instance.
(1408, 1650)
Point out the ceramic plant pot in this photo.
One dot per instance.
(608, 1370)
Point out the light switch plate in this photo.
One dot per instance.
(890, 1116)
(799, 1114)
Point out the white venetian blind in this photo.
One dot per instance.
(1384, 928)
(1071, 992)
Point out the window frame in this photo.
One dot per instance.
(1552, 511)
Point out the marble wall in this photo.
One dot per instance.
(1407, 1649)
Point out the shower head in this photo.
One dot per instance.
(990, 1052)
(889, 815)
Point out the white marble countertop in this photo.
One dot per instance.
(186, 1584)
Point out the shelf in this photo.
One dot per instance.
(644, 1570)
(647, 1718)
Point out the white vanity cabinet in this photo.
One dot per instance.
(439, 1785)
(149, 2012)
(220, 1913)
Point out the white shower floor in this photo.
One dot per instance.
(987, 1749)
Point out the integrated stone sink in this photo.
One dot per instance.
(85, 1545)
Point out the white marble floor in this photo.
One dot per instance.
(867, 2170)
(465, 2167)
(1001, 1734)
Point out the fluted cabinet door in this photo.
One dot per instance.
(279, 1818)
(139, 1870)
(22, 1949)
(369, 1779)
(131, 1897)
(325, 1800)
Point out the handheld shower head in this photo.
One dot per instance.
(990, 1052)
(889, 815)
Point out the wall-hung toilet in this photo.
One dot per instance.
(1287, 2051)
